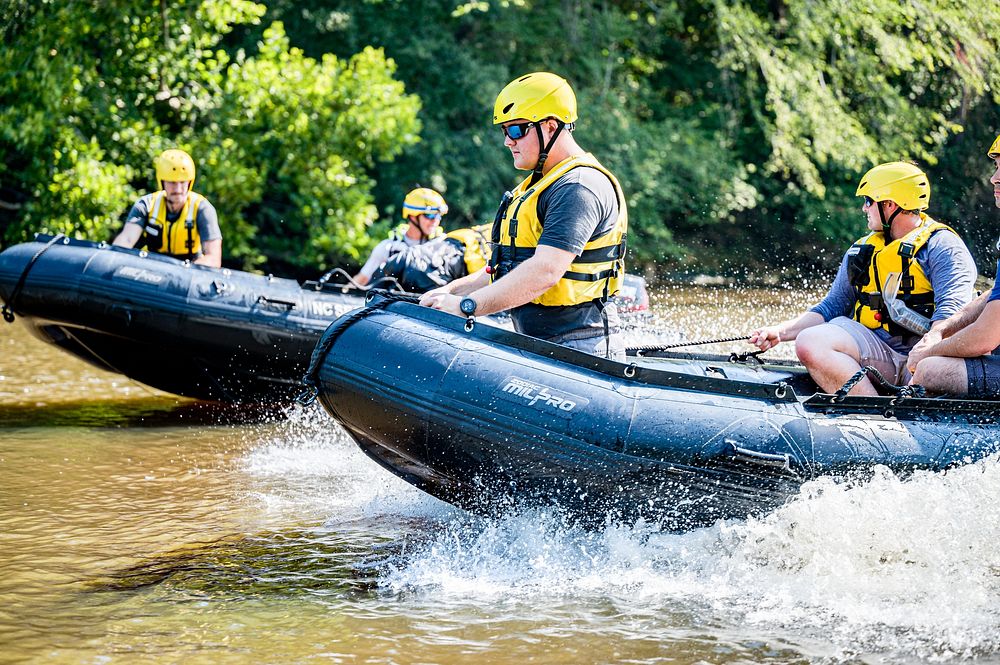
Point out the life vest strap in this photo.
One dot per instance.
(914, 300)
(591, 277)
(602, 254)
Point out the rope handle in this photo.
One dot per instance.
(880, 381)
(665, 347)
(336, 329)
(8, 308)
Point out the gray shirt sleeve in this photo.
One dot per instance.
(378, 256)
(951, 270)
(578, 207)
(139, 212)
(208, 222)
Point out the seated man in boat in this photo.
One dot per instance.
(960, 357)
(558, 238)
(422, 209)
(423, 267)
(175, 220)
(909, 274)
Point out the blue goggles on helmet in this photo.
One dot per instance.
(430, 213)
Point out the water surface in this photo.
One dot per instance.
(139, 527)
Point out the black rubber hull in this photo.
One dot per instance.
(487, 419)
(189, 330)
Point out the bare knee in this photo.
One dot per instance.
(812, 345)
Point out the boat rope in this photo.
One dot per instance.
(384, 282)
(639, 350)
(8, 308)
(880, 381)
(339, 272)
(336, 329)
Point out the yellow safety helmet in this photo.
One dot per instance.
(424, 201)
(174, 165)
(995, 149)
(900, 182)
(535, 97)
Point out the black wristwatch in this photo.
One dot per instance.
(468, 306)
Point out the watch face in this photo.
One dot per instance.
(468, 306)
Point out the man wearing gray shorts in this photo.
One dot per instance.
(959, 357)
(852, 326)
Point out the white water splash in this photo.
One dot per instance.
(309, 465)
(901, 566)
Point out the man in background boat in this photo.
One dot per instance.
(960, 356)
(175, 220)
(422, 209)
(423, 267)
(558, 238)
(932, 275)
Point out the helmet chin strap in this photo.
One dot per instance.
(536, 174)
(887, 223)
(415, 221)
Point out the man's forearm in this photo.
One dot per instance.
(128, 236)
(211, 254)
(466, 285)
(522, 285)
(963, 317)
(978, 338)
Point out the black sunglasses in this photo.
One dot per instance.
(869, 201)
(515, 132)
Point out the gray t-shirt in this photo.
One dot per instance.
(579, 207)
(207, 220)
(950, 269)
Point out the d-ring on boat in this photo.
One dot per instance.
(487, 419)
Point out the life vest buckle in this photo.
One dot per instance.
(875, 302)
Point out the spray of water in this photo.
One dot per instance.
(901, 566)
(309, 466)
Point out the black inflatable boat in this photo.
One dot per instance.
(187, 329)
(486, 418)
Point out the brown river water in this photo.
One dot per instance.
(137, 527)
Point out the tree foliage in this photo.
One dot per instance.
(739, 128)
(284, 143)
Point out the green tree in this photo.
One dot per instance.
(284, 143)
(828, 89)
(739, 128)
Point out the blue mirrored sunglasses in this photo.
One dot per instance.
(432, 215)
(868, 201)
(515, 132)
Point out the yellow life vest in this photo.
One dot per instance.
(174, 237)
(476, 245)
(398, 233)
(596, 274)
(871, 262)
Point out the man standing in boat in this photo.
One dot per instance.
(175, 220)
(422, 209)
(960, 356)
(907, 276)
(558, 238)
